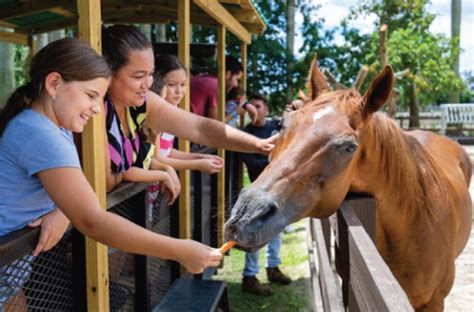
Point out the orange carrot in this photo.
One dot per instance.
(227, 246)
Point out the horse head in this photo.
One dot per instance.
(313, 163)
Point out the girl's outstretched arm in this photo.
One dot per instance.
(70, 190)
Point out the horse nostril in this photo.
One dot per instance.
(267, 212)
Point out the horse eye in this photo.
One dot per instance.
(348, 147)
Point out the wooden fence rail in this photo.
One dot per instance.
(367, 282)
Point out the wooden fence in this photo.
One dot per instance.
(367, 282)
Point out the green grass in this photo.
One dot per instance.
(294, 297)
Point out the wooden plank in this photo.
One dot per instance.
(93, 158)
(317, 299)
(22, 8)
(329, 289)
(124, 191)
(364, 207)
(244, 15)
(184, 175)
(221, 32)
(223, 17)
(230, 1)
(12, 37)
(375, 288)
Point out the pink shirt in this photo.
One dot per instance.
(204, 92)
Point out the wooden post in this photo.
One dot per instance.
(184, 176)
(221, 31)
(243, 81)
(93, 159)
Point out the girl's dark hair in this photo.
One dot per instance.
(119, 41)
(73, 59)
(158, 84)
(164, 63)
(234, 93)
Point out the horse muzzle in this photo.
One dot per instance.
(256, 218)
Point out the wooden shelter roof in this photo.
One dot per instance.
(29, 17)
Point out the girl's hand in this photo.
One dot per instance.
(196, 257)
(209, 165)
(174, 177)
(53, 225)
(216, 159)
(266, 146)
(170, 187)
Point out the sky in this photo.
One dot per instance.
(335, 10)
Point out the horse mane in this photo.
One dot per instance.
(408, 169)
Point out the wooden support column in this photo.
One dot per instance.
(93, 160)
(243, 81)
(221, 31)
(184, 175)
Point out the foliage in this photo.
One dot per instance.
(411, 45)
(295, 297)
(20, 56)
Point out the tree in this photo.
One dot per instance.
(454, 96)
(290, 45)
(7, 75)
(411, 45)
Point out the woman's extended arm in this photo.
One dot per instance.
(161, 116)
(70, 190)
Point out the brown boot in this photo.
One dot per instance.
(251, 285)
(275, 275)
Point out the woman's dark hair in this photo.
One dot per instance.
(73, 59)
(119, 41)
(165, 63)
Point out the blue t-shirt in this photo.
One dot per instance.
(31, 143)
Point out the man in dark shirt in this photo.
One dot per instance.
(255, 163)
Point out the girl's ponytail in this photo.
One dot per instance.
(17, 102)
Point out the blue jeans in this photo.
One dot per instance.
(273, 257)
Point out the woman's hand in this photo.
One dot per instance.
(174, 177)
(196, 257)
(53, 225)
(170, 187)
(265, 146)
(209, 165)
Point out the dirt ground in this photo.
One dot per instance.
(461, 297)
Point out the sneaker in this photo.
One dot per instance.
(276, 276)
(250, 284)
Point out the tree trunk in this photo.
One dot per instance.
(391, 102)
(146, 30)
(455, 33)
(161, 32)
(414, 107)
(290, 44)
(55, 35)
(7, 72)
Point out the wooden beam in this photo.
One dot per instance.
(223, 17)
(254, 28)
(93, 159)
(243, 15)
(12, 37)
(184, 33)
(221, 32)
(56, 25)
(22, 8)
(230, 1)
(63, 12)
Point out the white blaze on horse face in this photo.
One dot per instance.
(321, 113)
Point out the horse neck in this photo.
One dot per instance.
(396, 169)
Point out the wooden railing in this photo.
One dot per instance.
(367, 282)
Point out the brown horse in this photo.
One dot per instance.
(338, 142)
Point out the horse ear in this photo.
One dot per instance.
(316, 82)
(378, 92)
